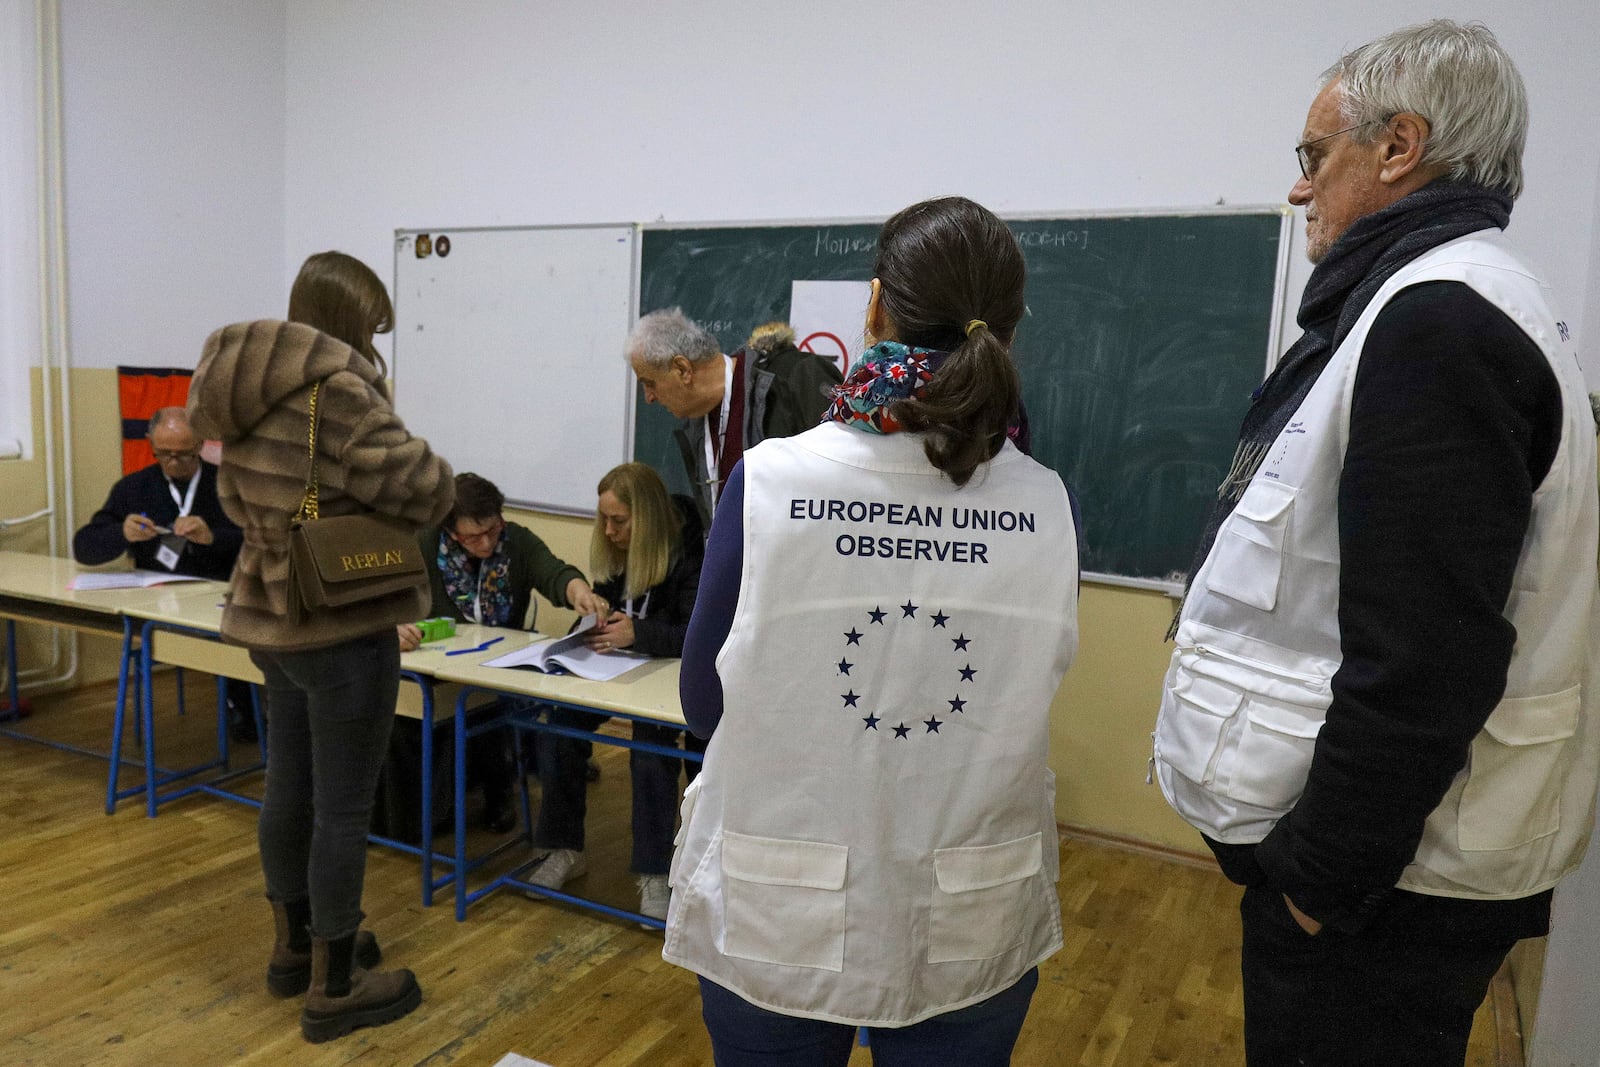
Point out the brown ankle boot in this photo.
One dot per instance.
(343, 996)
(289, 972)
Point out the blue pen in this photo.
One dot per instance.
(480, 648)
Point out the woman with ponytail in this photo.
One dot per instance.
(888, 605)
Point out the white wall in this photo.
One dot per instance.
(502, 113)
(1567, 1030)
(173, 112)
(20, 315)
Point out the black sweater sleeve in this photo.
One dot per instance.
(145, 492)
(100, 540)
(1455, 420)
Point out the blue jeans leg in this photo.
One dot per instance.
(330, 711)
(982, 1035)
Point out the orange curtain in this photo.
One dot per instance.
(141, 392)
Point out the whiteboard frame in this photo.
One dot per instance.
(1275, 317)
(635, 240)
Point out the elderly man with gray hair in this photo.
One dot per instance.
(1382, 710)
(727, 403)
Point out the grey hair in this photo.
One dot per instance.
(173, 415)
(660, 335)
(1456, 76)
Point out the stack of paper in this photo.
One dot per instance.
(569, 653)
(135, 579)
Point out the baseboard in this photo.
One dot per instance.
(1186, 857)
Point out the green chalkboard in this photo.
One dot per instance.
(1144, 337)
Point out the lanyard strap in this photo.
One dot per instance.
(186, 501)
(714, 449)
(644, 606)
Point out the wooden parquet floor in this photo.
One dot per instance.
(127, 940)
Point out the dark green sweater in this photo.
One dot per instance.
(534, 568)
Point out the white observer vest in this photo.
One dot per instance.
(1258, 641)
(873, 838)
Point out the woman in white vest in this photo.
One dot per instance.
(888, 605)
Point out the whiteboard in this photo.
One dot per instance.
(508, 354)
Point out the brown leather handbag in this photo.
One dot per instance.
(345, 559)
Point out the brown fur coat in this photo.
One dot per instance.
(252, 391)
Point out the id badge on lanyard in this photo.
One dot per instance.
(172, 545)
(714, 449)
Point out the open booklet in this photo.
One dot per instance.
(571, 655)
(135, 579)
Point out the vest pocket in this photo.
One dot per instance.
(784, 901)
(1195, 712)
(1274, 753)
(1242, 726)
(980, 899)
(1512, 794)
(1246, 561)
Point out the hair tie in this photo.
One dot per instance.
(973, 324)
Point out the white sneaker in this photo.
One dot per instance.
(654, 896)
(557, 867)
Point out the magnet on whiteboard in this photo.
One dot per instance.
(424, 246)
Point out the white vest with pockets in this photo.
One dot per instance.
(1258, 641)
(873, 838)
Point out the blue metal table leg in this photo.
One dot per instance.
(120, 718)
(426, 825)
(223, 737)
(461, 806)
(147, 715)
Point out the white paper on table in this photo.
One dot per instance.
(572, 654)
(829, 318)
(135, 579)
(512, 1059)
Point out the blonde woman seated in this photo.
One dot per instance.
(645, 557)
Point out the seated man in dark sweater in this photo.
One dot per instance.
(167, 517)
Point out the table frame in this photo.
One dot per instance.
(517, 715)
(217, 786)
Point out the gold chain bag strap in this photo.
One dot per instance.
(345, 559)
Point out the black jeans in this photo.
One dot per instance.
(564, 800)
(329, 712)
(1335, 999)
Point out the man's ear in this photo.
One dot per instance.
(682, 367)
(1405, 139)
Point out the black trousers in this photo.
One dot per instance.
(328, 721)
(1336, 1000)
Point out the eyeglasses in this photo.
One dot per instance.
(166, 454)
(1307, 169)
(486, 536)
